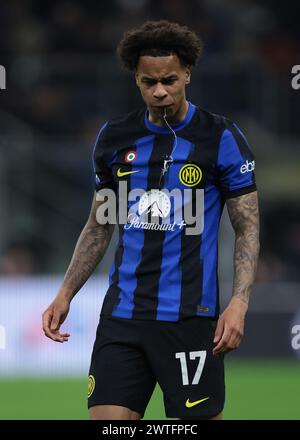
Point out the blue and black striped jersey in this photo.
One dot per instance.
(160, 271)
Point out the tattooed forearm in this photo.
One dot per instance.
(244, 215)
(89, 251)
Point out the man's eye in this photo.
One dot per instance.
(169, 80)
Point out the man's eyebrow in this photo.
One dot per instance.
(150, 78)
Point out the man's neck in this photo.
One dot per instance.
(172, 120)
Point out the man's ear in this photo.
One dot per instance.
(136, 78)
(188, 75)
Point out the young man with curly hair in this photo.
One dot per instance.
(160, 320)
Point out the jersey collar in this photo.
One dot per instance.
(176, 127)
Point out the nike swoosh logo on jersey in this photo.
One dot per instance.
(125, 173)
(189, 404)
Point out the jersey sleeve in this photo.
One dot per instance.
(101, 162)
(236, 163)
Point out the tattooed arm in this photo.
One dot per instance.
(243, 213)
(90, 249)
(244, 217)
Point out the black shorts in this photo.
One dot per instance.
(130, 356)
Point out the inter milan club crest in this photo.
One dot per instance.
(91, 385)
(190, 175)
(130, 156)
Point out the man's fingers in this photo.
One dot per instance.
(230, 341)
(235, 340)
(223, 341)
(219, 331)
(47, 317)
(51, 327)
(220, 347)
(57, 337)
(55, 322)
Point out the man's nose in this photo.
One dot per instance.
(159, 92)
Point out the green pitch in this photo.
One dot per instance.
(255, 390)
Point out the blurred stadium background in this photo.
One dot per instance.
(63, 82)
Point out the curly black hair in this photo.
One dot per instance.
(159, 38)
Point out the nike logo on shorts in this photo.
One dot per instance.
(189, 404)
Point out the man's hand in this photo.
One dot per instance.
(53, 317)
(230, 327)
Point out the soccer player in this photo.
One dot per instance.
(179, 165)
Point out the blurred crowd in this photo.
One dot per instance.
(47, 48)
(63, 82)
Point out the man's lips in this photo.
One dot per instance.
(160, 107)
